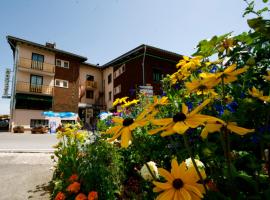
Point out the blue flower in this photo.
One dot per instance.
(242, 95)
(219, 108)
(199, 71)
(232, 106)
(214, 69)
(189, 105)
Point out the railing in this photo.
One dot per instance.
(90, 84)
(33, 88)
(36, 65)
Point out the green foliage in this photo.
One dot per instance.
(102, 169)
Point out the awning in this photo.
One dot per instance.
(34, 97)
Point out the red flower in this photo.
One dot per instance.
(93, 195)
(73, 178)
(74, 187)
(81, 196)
(60, 196)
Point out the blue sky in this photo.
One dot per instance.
(104, 29)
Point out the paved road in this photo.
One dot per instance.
(26, 142)
(25, 176)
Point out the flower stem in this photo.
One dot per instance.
(193, 161)
(153, 176)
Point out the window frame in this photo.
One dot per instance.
(91, 96)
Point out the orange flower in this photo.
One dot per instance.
(74, 187)
(60, 196)
(93, 195)
(81, 196)
(73, 178)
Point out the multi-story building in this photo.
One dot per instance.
(144, 65)
(49, 79)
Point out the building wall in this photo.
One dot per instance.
(131, 79)
(66, 99)
(26, 52)
(97, 73)
(108, 87)
(22, 117)
(23, 76)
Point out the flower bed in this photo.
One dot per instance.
(206, 138)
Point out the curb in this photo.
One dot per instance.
(26, 150)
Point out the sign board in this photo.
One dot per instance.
(147, 90)
(6, 84)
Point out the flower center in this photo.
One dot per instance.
(179, 117)
(128, 121)
(178, 183)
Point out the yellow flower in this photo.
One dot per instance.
(228, 75)
(129, 103)
(202, 85)
(199, 164)
(227, 44)
(216, 126)
(180, 75)
(182, 121)
(181, 183)
(267, 78)
(124, 127)
(258, 94)
(190, 63)
(120, 101)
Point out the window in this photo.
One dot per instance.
(63, 122)
(110, 96)
(66, 64)
(62, 63)
(37, 57)
(119, 71)
(117, 89)
(57, 83)
(61, 83)
(38, 122)
(89, 77)
(37, 61)
(58, 62)
(89, 94)
(157, 75)
(109, 78)
(36, 83)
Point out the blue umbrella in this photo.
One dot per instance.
(50, 114)
(67, 114)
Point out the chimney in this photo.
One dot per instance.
(51, 45)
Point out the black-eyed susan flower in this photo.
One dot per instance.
(120, 101)
(217, 126)
(258, 94)
(130, 103)
(202, 85)
(189, 63)
(181, 121)
(181, 183)
(180, 75)
(124, 127)
(228, 75)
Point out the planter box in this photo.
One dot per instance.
(18, 129)
(39, 130)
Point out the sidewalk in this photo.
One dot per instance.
(25, 176)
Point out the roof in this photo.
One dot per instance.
(92, 65)
(140, 49)
(14, 40)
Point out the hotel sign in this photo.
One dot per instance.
(6, 84)
(147, 90)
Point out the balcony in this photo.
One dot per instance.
(26, 87)
(90, 84)
(29, 64)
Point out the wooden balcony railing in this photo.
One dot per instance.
(36, 65)
(33, 88)
(90, 84)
